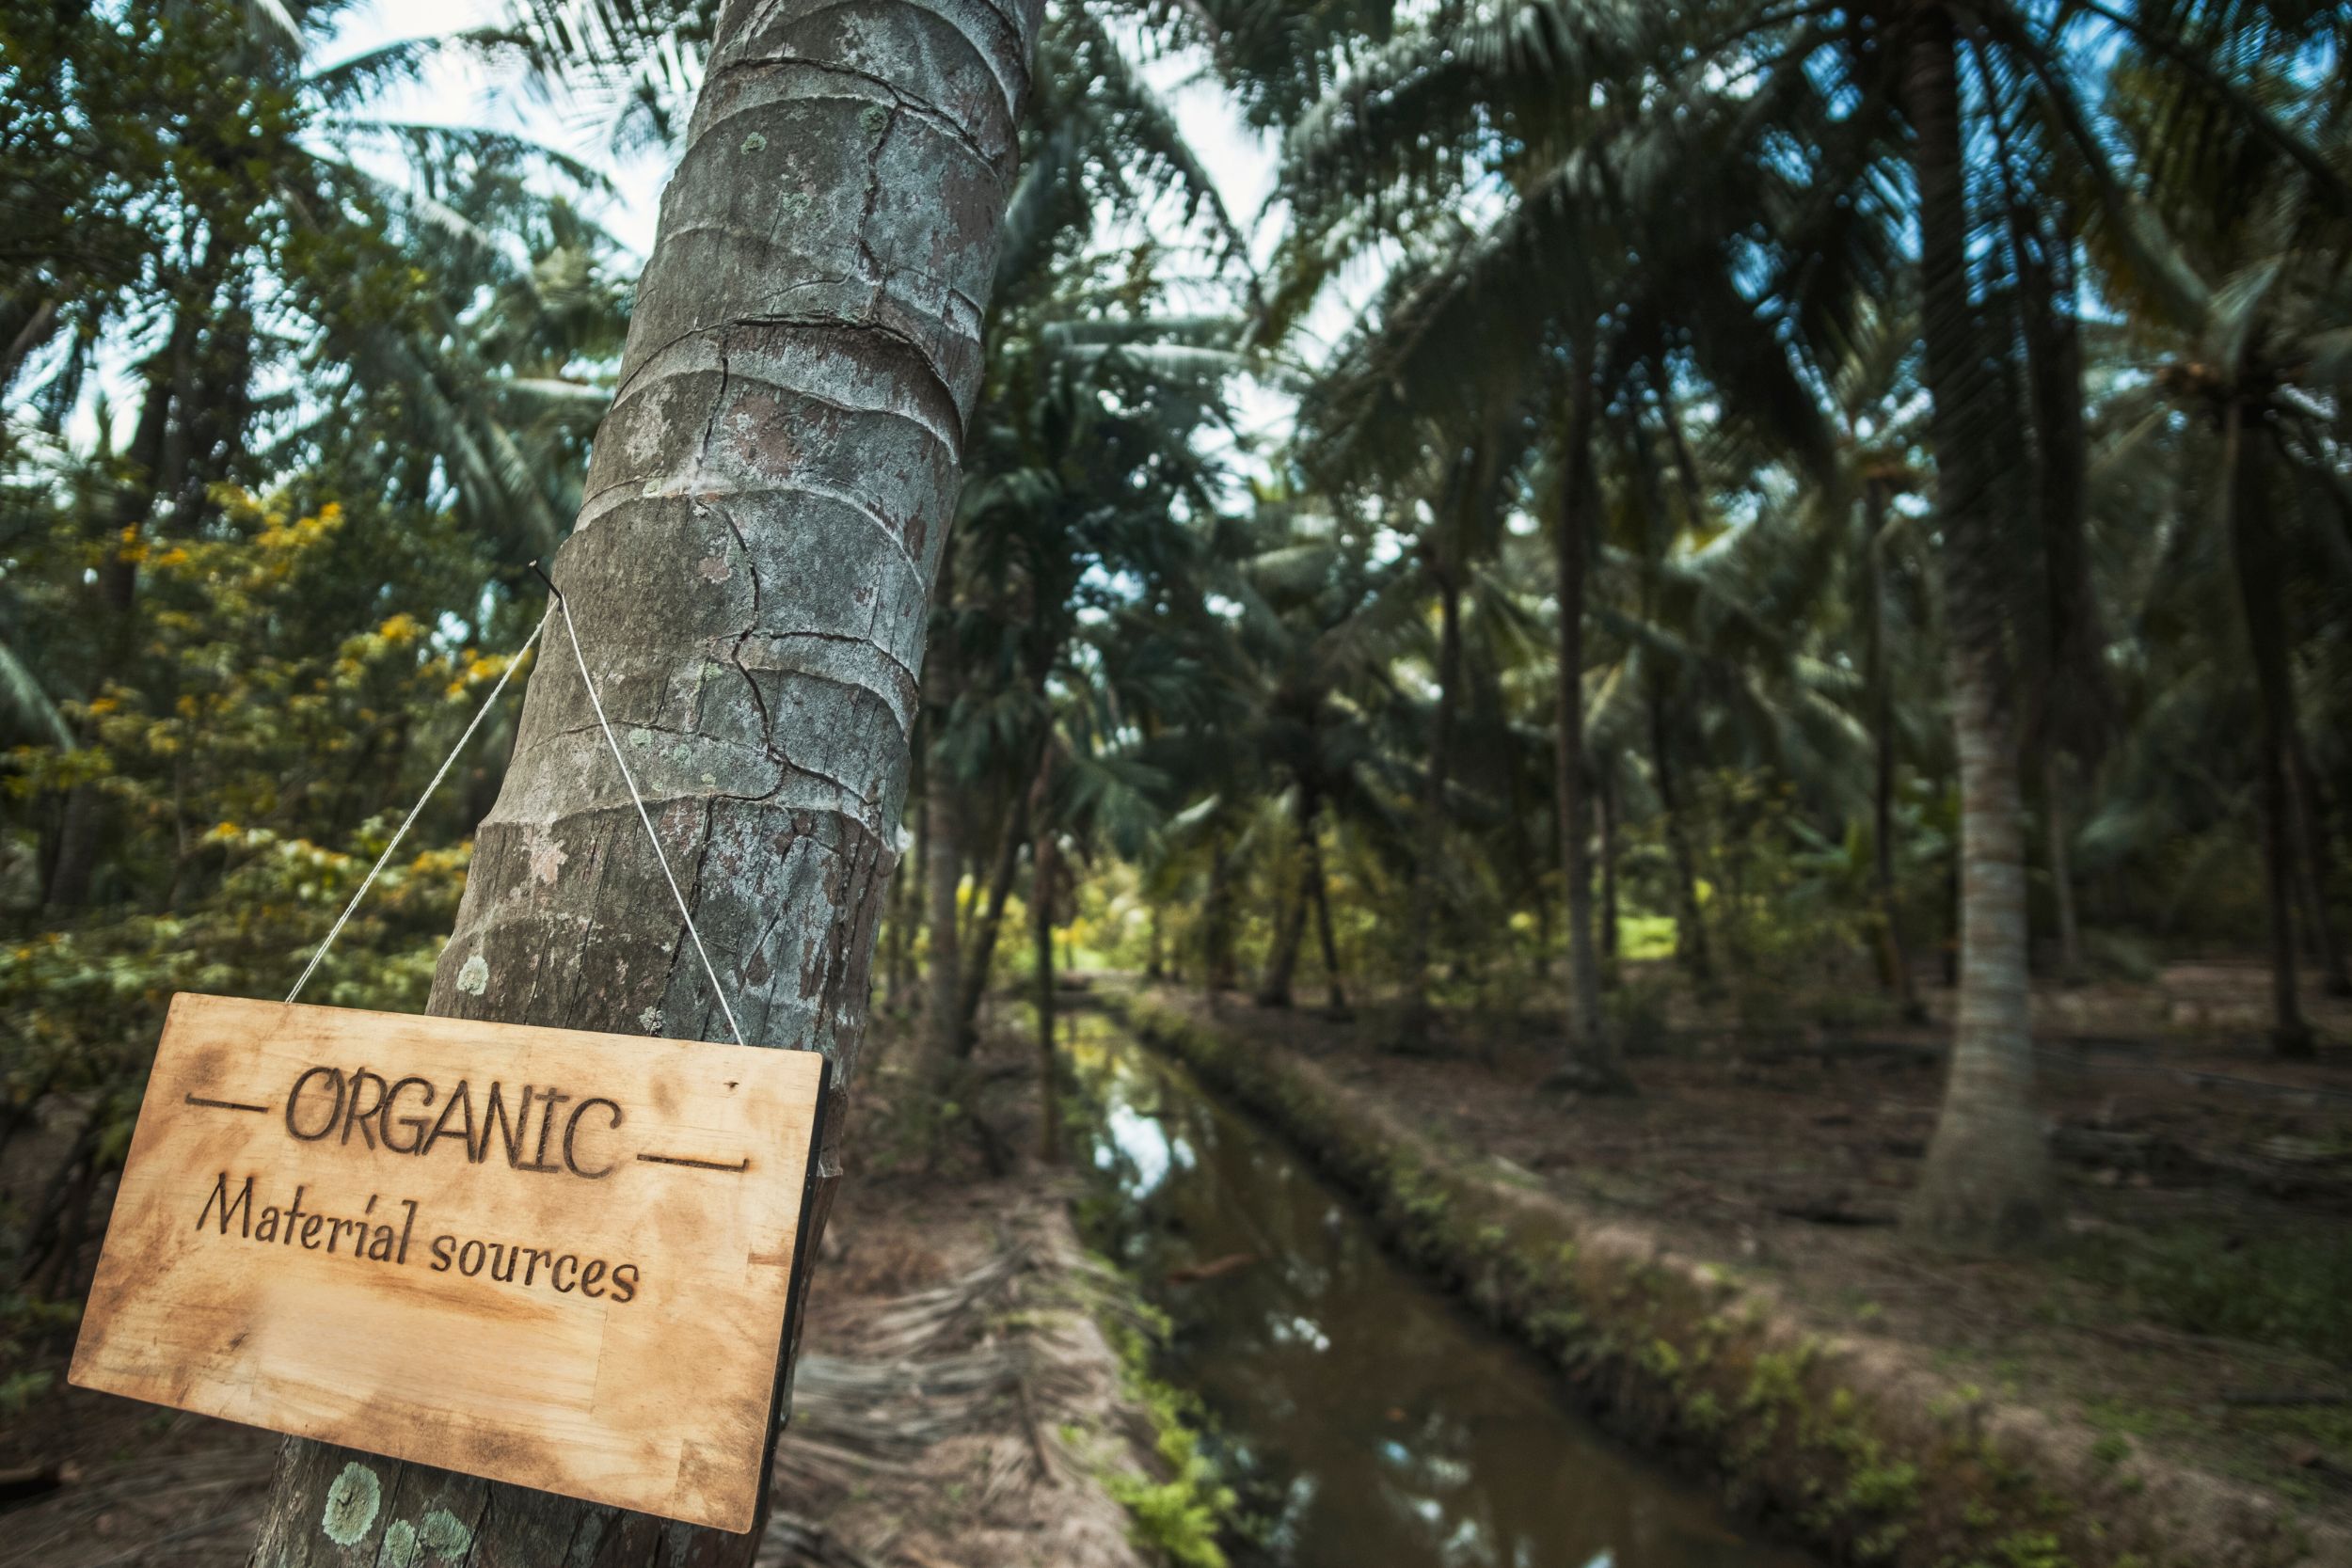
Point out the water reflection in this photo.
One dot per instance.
(1390, 1429)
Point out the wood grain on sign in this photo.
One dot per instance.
(557, 1258)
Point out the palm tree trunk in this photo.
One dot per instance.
(1335, 1006)
(1987, 1178)
(1691, 946)
(2251, 552)
(1290, 925)
(918, 887)
(2072, 677)
(751, 577)
(75, 856)
(943, 847)
(1041, 873)
(911, 884)
(980, 958)
(1605, 799)
(897, 916)
(1155, 966)
(1590, 1059)
(212, 400)
(943, 1002)
(1413, 1027)
(1217, 922)
(2313, 857)
(1893, 957)
(2290, 1032)
(2061, 869)
(1290, 932)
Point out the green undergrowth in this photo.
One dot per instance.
(1179, 1507)
(1684, 1357)
(2294, 1292)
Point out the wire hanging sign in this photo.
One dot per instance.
(305, 1184)
(559, 606)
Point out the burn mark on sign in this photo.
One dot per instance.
(224, 1104)
(736, 1169)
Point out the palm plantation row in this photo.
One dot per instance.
(1926, 431)
(1840, 369)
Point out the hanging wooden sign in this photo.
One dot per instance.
(551, 1258)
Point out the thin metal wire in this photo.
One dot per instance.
(717, 991)
(571, 634)
(402, 832)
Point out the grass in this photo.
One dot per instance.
(2293, 1292)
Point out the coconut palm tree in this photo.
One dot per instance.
(774, 480)
(1982, 108)
(1310, 656)
(1824, 133)
(1555, 293)
(1086, 426)
(2253, 351)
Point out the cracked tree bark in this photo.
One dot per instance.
(1986, 1181)
(751, 575)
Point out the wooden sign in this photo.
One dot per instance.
(551, 1258)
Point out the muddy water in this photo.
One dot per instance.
(1376, 1422)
